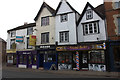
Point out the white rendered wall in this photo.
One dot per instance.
(92, 37)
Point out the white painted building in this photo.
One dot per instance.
(65, 24)
(91, 26)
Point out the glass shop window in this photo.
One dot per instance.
(10, 59)
(96, 56)
(24, 59)
(14, 59)
(30, 59)
(50, 57)
(65, 58)
(21, 59)
(34, 59)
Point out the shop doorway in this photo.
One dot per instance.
(41, 60)
(84, 57)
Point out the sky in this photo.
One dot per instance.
(14, 13)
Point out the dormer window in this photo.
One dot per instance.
(89, 14)
(44, 21)
(64, 17)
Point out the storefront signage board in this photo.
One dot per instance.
(32, 40)
(11, 51)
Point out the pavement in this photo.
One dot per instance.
(81, 73)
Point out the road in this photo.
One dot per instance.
(31, 73)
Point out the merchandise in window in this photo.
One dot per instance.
(44, 21)
(34, 59)
(64, 17)
(30, 31)
(89, 14)
(91, 28)
(24, 59)
(45, 37)
(50, 57)
(64, 36)
(30, 59)
(20, 59)
(96, 56)
(10, 59)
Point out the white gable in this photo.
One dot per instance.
(64, 8)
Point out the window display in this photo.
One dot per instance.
(34, 59)
(50, 57)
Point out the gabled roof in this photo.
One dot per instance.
(2, 40)
(68, 5)
(99, 10)
(52, 11)
(23, 27)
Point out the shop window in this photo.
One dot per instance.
(45, 38)
(10, 59)
(14, 59)
(50, 57)
(89, 14)
(28, 46)
(96, 56)
(65, 58)
(91, 28)
(119, 25)
(29, 30)
(34, 59)
(24, 59)
(20, 59)
(13, 33)
(44, 21)
(64, 36)
(64, 17)
(116, 52)
(29, 59)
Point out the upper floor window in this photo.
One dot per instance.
(28, 46)
(12, 44)
(45, 37)
(13, 33)
(29, 30)
(44, 21)
(90, 28)
(89, 14)
(64, 17)
(117, 5)
(119, 25)
(64, 36)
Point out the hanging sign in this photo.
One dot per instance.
(19, 38)
(32, 40)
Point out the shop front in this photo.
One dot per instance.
(11, 57)
(82, 57)
(47, 57)
(27, 59)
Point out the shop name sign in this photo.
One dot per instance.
(26, 52)
(73, 48)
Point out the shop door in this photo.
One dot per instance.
(41, 60)
(85, 60)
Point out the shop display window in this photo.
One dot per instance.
(24, 59)
(30, 59)
(34, 59)
(65, 58)
(96, 56)
(10, 59)
(21, 59)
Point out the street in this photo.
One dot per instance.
(11, 72)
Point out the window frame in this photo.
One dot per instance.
(28, 30)
(13, 33)
(62, 36)
(90, 14)
(64, 17)
(45, 21)
(117, 5)
(86, 28)
(45, 38)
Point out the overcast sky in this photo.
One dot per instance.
(14, 13)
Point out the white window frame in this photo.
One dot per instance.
(44, 21)
(64, 17)
(64, 36)
(87, 27)
(44, 38)
(89, 14)
(13, 33)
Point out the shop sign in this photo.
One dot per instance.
(32, 40)
(99, 46)
(19, 38)
(45, 47)
(26, 52)
(11, 51)
(73, 48)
